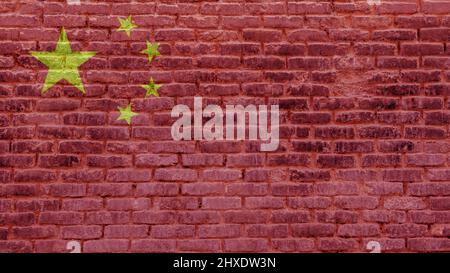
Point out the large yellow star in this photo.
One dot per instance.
(63, 64)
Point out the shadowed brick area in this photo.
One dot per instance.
(364, 123)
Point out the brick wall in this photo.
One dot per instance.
(363, 156)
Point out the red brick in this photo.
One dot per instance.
(404, 203)
(148, 217)
(247, 160)
(436, 7)
(440, 203)
(221, 203)
(404, 175)
(177, 203)
(338, 217)
(202, 160)
(428, 244)
(17, 219)
(106, 246)
(245, 217)
(413, 49)
(34, 176)
(335, 161)
(257, 35)
(81, 232)
(97, 133)
(288, 160)
(61, 218)
(419, 21)
(329, 189)
(381, 161)
(395, 35)
(425, 160)
(83, 175)
(81, 204)
(34, 232)
(199, 245)
(27, 146)
(156, 189)
(148, 245)
(264, 203)
(356, 202)
(246, 245)
(128, 175)
(21, 161)
(247, 189)
(337, 244)
(175, 175)
(380, 188)
(286, 216)
(293, 245)
(219, 231)
(107, 218)
(108, 161)
(66, 190)
(38, 205)
(199, 217)
(313, 230)
(80, 147)
(406, 230)
(15, 246)
(55, 161)
(283, 21)
(309, 8)
(358, 230)
(429, 189)
(121, 231)
(397, 146)
(109, 189)
(292, 189)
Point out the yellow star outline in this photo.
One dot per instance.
(126, 114)
(126, 25)
(63, 63)
(152, 88)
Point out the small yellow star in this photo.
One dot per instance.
(126, 114)
(126, 25)
(151, 50)
(152, 88)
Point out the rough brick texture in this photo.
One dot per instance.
(365, 114)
